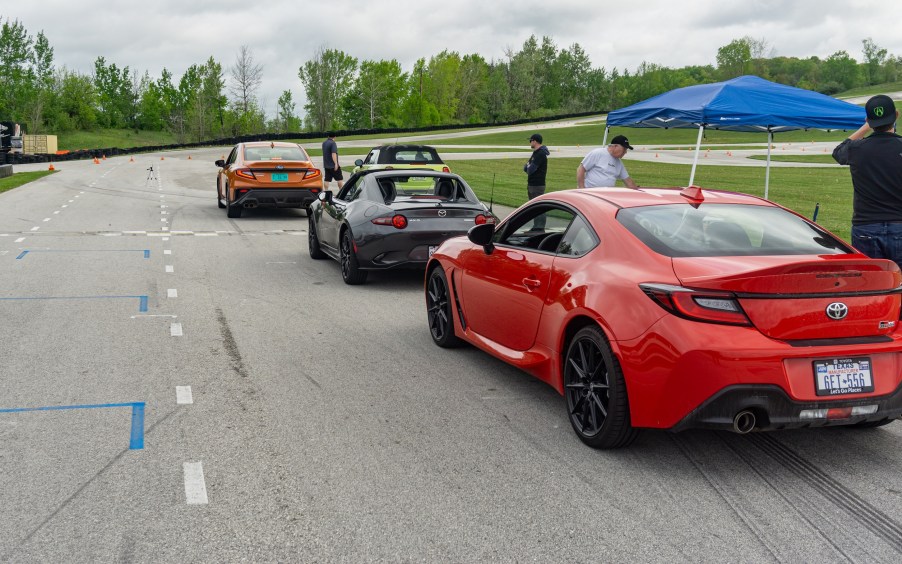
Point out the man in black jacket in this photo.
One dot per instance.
(536, 168)
(876, 166)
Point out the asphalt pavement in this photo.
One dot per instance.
(180, 386)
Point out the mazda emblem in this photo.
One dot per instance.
(837, 310)
(442, 213)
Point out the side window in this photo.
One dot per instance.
(232, 156)
(540, 227)
(371, 158)
(579, 239)
(350, 191)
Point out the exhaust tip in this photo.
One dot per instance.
(744, 422)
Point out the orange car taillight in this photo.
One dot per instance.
(312, 173)
(397, 221)
(697, 305)
(245, 173)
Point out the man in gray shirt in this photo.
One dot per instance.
(602, 167)
(330, 163)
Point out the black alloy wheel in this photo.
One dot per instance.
(219, 197)
(596, 392)
(316, 252)
(350, 271)
(439, 310)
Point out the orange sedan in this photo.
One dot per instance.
(266, 174)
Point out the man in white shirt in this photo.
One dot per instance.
(602, 167)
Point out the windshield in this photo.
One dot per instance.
(681, 230)
(424, 189)
(277, 153)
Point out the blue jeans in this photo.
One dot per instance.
(879, 240)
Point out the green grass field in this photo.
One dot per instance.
(361, 150)
(798, 189)
(821, 158)
(104, 138)
(20, 178)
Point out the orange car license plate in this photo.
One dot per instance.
(280, 177)
(840, 376)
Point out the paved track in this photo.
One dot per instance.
(326, 424)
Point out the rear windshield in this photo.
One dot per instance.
(424, 188)
(277, 153)
(681, 230)
(413, 155)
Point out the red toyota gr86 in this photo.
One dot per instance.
(677, 309)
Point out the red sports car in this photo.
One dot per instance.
(677, 309)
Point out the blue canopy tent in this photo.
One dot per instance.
(746, 103)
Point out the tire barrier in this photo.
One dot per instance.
(6, 170)
(19, 158)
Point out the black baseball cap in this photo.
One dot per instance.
(622, 141)
(880, 111)
(535, 137)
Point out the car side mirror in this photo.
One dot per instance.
(358, 162)
(482, 235)
(325, 196)
(220, 163)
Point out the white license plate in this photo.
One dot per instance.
(432, 249)
(840, 376)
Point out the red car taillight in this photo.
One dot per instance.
(446, 169)
(697, 305)
(312, 173)
(397, 221)
(481, 219)
(245, 173)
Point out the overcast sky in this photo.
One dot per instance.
(282, 34)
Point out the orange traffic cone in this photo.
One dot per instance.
(131, 159)
(51, 167)
(656, 155)
(189, 157)
(104, 157)
(803, 148)
(162, 158)
(96, 161)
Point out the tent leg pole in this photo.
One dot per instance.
(604, 140)
(698, 145)
(770, 141)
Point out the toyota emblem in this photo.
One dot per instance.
(837, 311)
(442, 213)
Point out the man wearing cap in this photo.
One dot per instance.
(602, 167)
(875, 163)
(536, 167)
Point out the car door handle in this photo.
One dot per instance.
(531, 283)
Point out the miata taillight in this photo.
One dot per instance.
(697, 305)
(245, 173)
(482, 219)
(446, 169)
(312, 173)
(397, 221)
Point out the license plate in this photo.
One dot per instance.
(432, 249)
(280, 177)
(840, 376)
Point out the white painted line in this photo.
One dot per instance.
(135, 232)
(172, 293)
(56, 212)
(165, 228)
(140, 316)
(169, 268)
(206, 234)
(164, 213)
(81, 192)
(64, 206)
(20, 239)
(162, 196)
(183, 395)
(112, 234)
(35, 228)
(70, 201)
(46, 219)
(167, 251)
(165, 238)
(195, 487)
(183, 232)
(77, 196)
(175, 330)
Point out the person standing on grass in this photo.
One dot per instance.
(875, 163)
(536, 168)
(602, 166)
(330, 162)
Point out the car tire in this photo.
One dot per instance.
(595, 390)
(233, 211)
(316, 252)
(350, 269)
(219, 197)
(439, 310)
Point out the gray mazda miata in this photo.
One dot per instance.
(383, 219)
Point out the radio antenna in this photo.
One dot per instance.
(492, 195)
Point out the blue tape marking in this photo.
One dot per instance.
(147, 253)
(136, 441)
(136, 435)
(142, 300)
(21, 255)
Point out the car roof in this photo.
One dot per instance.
(268, 144)
(404, 147)
(627, 198)
(380, 172)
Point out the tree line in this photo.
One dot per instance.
(342, 92)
